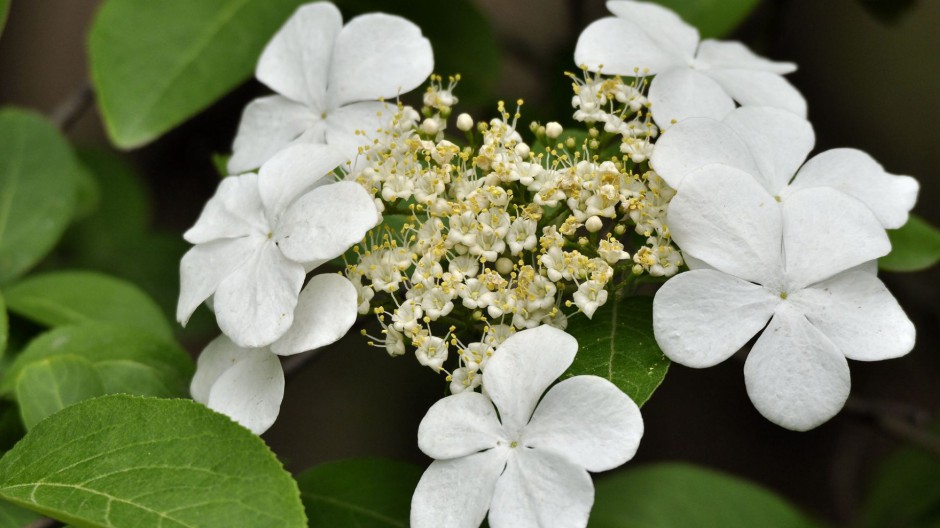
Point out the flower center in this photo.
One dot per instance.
(783, 295)
(514, 444)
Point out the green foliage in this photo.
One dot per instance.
(38, 181)
(905, 491)
(155, 64)
(125, 461)
(4, 326)
(367, 493)
(713, 18)
(618, 345)
(72, 363)
(4, 12)
(15, 517)
(70, 297)
(685, 496)
(462, 38)
(914, 247)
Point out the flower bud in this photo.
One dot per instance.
(464, 122)
(553, 129)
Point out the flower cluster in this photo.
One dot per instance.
(500, 235)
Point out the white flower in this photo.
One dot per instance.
(771, 145)
(247, 384)
(693, 79)
(529, 469)
(260, 234)
(792, 264)
(328, 78)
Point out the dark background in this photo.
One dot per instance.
(872, 83)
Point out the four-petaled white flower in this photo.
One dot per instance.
(693, 79)
(797, 264)
(329, 78)
(771, 145)
(247, 384)
(528, 466)
(259, 236)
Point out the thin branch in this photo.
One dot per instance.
(69, 111)
(901, 421)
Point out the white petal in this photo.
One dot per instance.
(695, 263)
(376, 56)
(294, 171)
(779, 141)
(296, 62)
(254, 306)
(326, 221)
(268, 125)
(855, 173)
(587, 420)
(759, 88)
(456, 493)
(233, 211)
(702, 317)
(367, 118)
(859, 315)
(205, 266)
(540, 489)
(522, 367)
(731, 54)
(826, 232)
(726, 218)
(680, 93)
(218, 356)
(619, 47)
(696, 142)
(250, 391)
(460, 425)
(794, 375)
(326, 309)
(663, 26)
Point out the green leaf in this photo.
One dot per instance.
(713, 18)
(366, 493)
(12, 516)
(52, 384)
(37, 190)
(4, 326)
(125, 461)
(70, 297)
(124, 208)
(4, 12)
(127, 359)
(914, 247)
(618, 345)
(681, 495)
(905, 491)
(155, 64)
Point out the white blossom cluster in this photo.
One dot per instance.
(498, 236)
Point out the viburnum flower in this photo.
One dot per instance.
(260, 234)
(772, 145)
(329, 78)
(528, 466)
(247, 384)
(794, 264)
(692, 78)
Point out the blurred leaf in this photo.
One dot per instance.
(124, 206)
(914, 247)
(127, 359)
(87, 195)
(12, 516)
(887, 10)
(149, 462)
(49, 385)
(618, 345)
(713, 18)
(684, 496)
(11, 426)
(155, 64)
(4, 12)
(37, 190)
(4, 326)
(461, 36)
(71, 297)
(905, 491)
(366, 493)
(220, 162)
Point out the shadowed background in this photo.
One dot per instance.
(871, 83)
